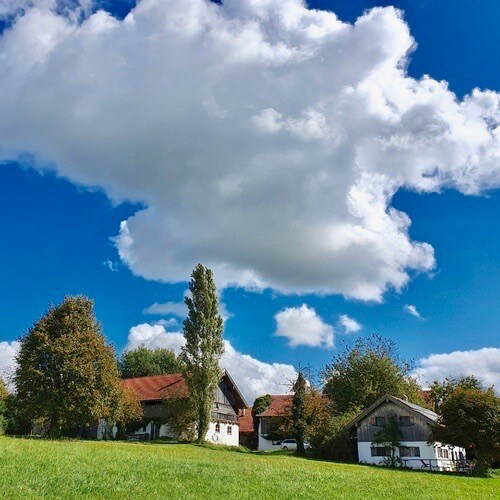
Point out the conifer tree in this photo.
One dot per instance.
(299, 422)
(204, 346)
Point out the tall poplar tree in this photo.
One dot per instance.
(204, 346)
(299, 412)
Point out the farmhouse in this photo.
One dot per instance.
(153, 391)
(415, 424)
(279, 409)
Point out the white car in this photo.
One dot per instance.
(291, 444)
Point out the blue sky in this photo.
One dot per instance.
(57, 234)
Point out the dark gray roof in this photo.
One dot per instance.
(419, 409)
(428, 415)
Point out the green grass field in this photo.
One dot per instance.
(31, 468)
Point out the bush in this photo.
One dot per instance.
(331, 439)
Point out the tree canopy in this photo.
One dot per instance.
(470, 417)
(143, 362)
(440, 391)
(204, 345)
(66, 373)
(365, 371)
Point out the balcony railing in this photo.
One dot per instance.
(224, 417)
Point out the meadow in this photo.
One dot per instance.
(34, 468)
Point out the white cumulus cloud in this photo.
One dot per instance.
(8, 353)
(263, 138)
(411, 309)
(302, 326)
(254, 377)
(482, 363)
(350, 325)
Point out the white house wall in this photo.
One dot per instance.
(266, 444)
(222, 436)
(427, 452)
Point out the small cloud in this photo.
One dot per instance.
(350, 325)
(168, 323)
(112, 266)
(166, 308)
(412, 310)
(302, 326)
(180, 310)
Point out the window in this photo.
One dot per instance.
(409, 451)
(217, 427)
(229, 429)
(380, 421)
(379, 451)
(405, 421)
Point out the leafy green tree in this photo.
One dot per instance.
(360, 374)
(330, 437)
(4, 394)
(66, 374)
(299, 422)
(180, 415)
(143, 362)
(390, 436)
(259, 406)
(440, 391)
(470, 417)
(204, 345)
(129, 413)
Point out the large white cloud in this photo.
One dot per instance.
(254, 377)
(482, 363)
(302, 326)
(265, 139)
(8, 353)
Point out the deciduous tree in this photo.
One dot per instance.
(390, 436)
(4, 394)
(470, 417)
(143, 362)
(204, 346)
(360, 374)
(66, 373)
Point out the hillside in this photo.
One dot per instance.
(31, 468)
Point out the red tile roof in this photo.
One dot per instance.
(245, 421)
(281, 405)
(157, 387)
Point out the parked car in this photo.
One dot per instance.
(291, 444)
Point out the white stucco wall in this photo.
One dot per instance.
(222, 437)
(427, 452)
(265, 444)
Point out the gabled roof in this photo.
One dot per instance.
(245, 421)
(429, 416)
(281, 404)
(157, 387)
(236, 390)
(160, 387)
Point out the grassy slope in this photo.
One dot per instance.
(72, 469)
